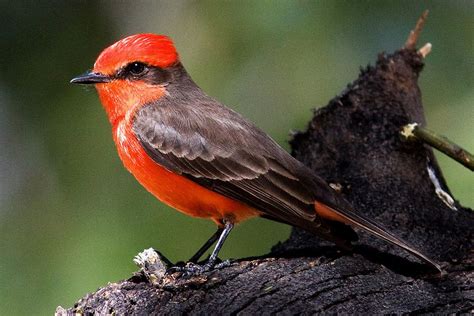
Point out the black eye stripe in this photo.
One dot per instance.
(140, 71)
(130, 70)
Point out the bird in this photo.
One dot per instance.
(205, 160)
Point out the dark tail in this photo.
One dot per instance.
(374, 229)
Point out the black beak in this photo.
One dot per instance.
(91, 78)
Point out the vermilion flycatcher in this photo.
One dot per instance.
(205, 160)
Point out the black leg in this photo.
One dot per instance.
(207, 245)
(192, 268)
(225, 232)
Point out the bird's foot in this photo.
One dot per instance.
(191, 269)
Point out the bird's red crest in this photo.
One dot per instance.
(153, 49)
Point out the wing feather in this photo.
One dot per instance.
(228, 155)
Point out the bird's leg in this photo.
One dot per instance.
(206, 245)
(192, 268)
(225, 232)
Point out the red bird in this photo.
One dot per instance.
(205, 160)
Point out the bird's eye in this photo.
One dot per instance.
(136, 68)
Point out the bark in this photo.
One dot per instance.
(353, 143)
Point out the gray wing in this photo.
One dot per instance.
(225, 154)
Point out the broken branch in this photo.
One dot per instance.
(439, 142)
(415, 33)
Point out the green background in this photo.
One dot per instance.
(72, 218)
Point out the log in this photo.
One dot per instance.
(355, 144)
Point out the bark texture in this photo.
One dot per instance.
(354, 144)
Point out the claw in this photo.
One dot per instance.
(193, 269)
(223, 264)
(190, 269)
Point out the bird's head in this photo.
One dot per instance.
(131, 72)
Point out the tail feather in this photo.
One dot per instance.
(375, 229)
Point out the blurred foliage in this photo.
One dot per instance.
(71, 217)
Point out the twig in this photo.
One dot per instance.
(415, 33)
(439, 142)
